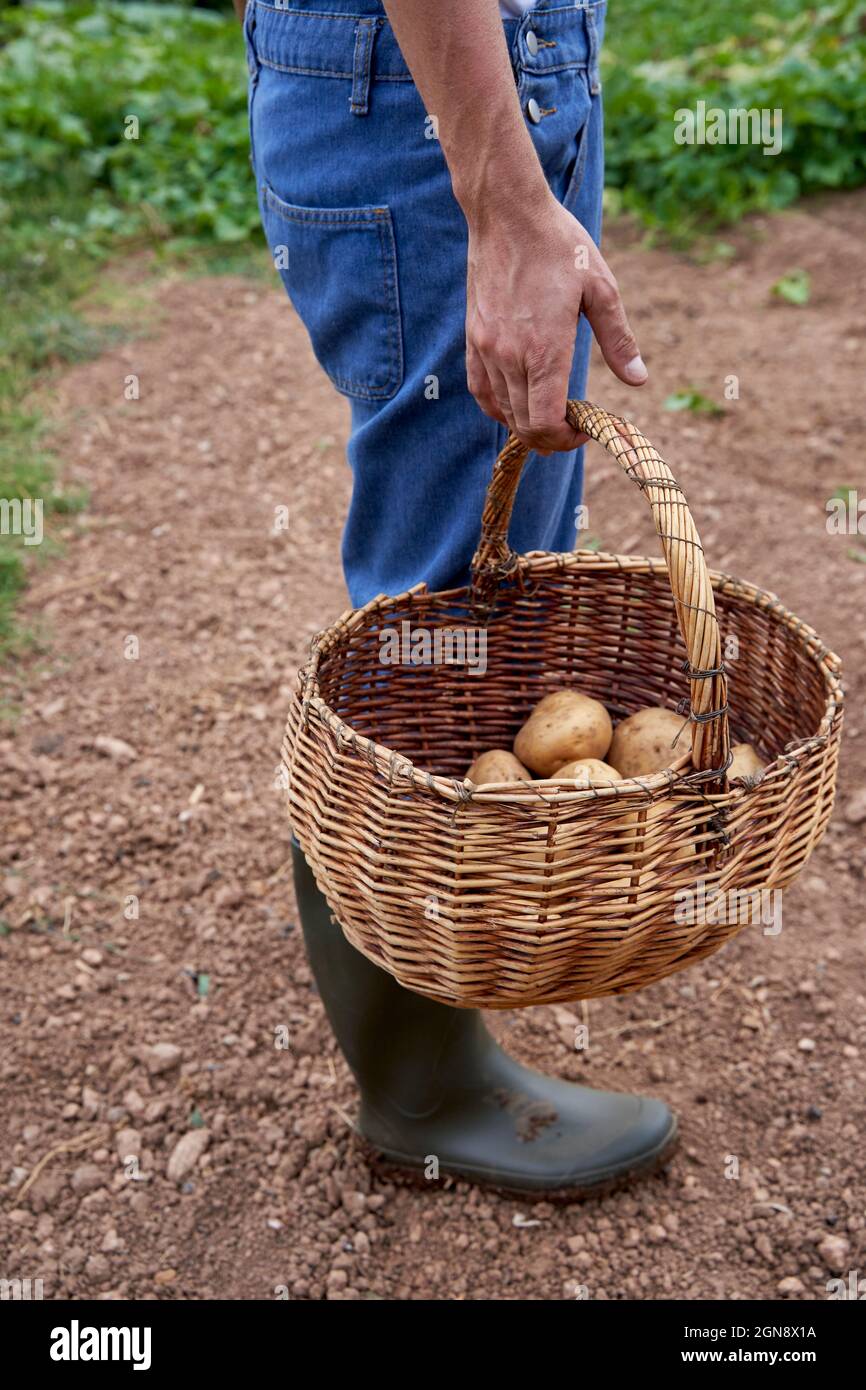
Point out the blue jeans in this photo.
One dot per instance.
(371, 244)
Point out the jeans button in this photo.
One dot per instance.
(533, 110)
(532, 43)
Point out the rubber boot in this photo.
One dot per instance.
(440, 1097)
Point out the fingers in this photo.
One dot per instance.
(604, 308)
(538, 394)
(512, 376)
(529, 400)
(489, 386)
(545, 427)
(481, 387)
(501, 392)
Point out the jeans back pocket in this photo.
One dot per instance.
(339, 267)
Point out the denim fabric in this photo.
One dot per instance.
(370, 242)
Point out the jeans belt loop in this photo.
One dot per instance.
(249, 28)
(362, 65)
(592, 34)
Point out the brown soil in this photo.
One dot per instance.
(759, 1049)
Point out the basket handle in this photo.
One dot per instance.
(690, 581)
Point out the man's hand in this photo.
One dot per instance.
(530, 275)
(240, 6)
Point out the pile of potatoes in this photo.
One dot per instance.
(570, 735)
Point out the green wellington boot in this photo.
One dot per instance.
(435, 1086)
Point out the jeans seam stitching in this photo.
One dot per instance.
(389, 267)
(331, 72)
(578, 65)
(375, 217)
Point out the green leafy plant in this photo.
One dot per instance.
(694, 401)
(809, 63)
(794, 288)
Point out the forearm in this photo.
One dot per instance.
(458, 56)
(240, 6)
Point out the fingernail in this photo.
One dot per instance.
(636, 370)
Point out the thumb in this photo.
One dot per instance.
(604, 309)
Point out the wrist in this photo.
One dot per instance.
(503, 195)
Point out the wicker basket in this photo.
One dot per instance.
(539, 892)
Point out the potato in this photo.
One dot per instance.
(564, 726)
(497, 766)
(746, 761)
(642, 743)
(592, 771)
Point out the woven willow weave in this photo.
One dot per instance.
(539, 892)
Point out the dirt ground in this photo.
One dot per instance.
(151, 951)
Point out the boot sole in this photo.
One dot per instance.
(404, 1168)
